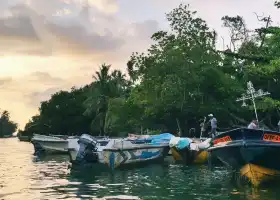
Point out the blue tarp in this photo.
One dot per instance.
(161, 138)
(156, 139)
(183, 143)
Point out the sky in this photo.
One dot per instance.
(52, 45)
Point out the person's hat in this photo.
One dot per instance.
(210, 115)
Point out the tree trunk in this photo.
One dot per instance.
(243, 121)
(179, 127)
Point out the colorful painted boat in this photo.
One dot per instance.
(124, 152)
(250, 152)
(121, 152)
(190, 151)
(88, 149)
(92, 149)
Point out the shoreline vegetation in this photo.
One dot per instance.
(7, 126)
(181, 79)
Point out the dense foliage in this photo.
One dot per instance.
(7, 127)
(181, 79)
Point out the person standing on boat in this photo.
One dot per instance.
(253, 124)
(213, 122)
(202, 126)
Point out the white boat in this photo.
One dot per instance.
(53, 143)
(121, 152)
(124, 151)
(88, 149)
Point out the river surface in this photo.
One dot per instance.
(27, 177)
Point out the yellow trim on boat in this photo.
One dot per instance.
(176, 155)
(201, 157)
(257, 174)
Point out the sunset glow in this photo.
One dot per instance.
(50, 45)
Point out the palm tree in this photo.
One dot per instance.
(97, 101)
(131, 71)
(5, 115)
(105, 87)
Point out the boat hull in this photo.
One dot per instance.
(24, 138)
(50, 146)
(250, 155)
(189, 157)
(116, 158)
(116, 152)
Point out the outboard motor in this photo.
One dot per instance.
(88, 149)
(37, 148)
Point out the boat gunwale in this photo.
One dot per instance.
(135, 148)
(54, 141)
(244, 128)
(245, 143)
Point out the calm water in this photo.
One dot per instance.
(24, 176)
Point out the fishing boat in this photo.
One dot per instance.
(88, 149)
(24, 138)
(123, 152)
(53, 143)
(92, 149)
(190, 151)
(251, 152)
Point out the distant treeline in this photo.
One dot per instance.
(7, 127)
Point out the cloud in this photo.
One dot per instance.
(107, 6)
(45, 77)
(4, 81)
(27, 32)
(35, 81)
(49, 7)
(77, 34)
(21, 34)
(34, 98)
(22, 96)
(46, 8)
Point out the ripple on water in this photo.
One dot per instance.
(118, 197)
(24, 176)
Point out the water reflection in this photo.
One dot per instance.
(24, 176)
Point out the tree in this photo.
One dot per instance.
(238, 30)
(180, 79)
(106, 86)
(181, 75)
(62, 114)
(7, 127)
